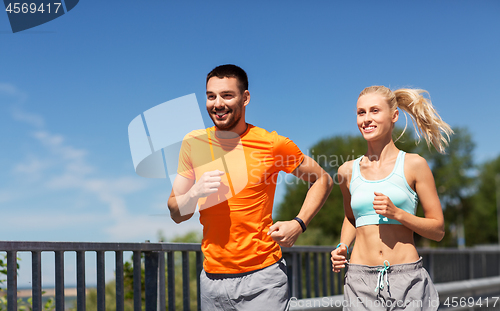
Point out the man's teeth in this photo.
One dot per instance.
(220, 114)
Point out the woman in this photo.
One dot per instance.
(381, 190)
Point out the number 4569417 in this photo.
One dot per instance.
(470, 302)
(32, 8)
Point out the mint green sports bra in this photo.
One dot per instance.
(394, 186)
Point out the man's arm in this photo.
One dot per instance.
(285, 233)
(185, 194)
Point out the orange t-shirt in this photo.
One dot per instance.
(237, 218)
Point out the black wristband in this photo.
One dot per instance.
(301, 223)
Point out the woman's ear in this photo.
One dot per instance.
(395, 115)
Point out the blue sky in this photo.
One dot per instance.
(69, 89)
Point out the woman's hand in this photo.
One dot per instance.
(339, 258)
(384, 206)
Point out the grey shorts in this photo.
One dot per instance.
(260, 290)
(404, 287)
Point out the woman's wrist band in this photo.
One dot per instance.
(345, 246)
(301, 223)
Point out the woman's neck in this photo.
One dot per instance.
(379, 152)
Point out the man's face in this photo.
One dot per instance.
(226, 104)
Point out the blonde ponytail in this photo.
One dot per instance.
(425, 119)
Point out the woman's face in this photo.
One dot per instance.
(374, 117)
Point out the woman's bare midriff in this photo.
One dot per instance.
(376, 243)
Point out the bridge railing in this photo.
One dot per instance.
(309, 271)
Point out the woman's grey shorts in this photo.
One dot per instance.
(408, 287)
(260, 290)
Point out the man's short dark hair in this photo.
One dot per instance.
(230, 71)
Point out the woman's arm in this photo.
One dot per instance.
(348, 233)
(432, 225)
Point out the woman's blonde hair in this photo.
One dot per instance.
(426, 120)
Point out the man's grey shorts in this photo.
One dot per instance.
(408, 287)
(260, 290)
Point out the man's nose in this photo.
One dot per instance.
(219, 103)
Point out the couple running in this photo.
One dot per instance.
(230, 171)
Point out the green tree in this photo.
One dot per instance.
(453, 174)
(482, 223)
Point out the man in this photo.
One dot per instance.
(230, 171)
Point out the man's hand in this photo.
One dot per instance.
(185, 194)
(339, 258)
(285, 233)
(208, 183)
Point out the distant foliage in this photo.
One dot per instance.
(21, 305)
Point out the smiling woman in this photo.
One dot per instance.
(381, 190)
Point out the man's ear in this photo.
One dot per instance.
(246, 97)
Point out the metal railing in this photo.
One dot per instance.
(155, 267)
(309, 271)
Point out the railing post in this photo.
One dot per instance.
(295, 273)
(199, 267)
(299, 275)
(11, 281)
(324, 273)
(316, 274)
(431, 266)
(137, 281)
(80, 281)
(36, 280)
(185, 281)
(171, 280)
(483, 265)
(471, 265)
(332, 280)
(120, 295)
(161, 282)
(308, 274)
(59, 261)
(151, 280)
(101, 282)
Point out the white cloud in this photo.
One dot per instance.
(32, 166)
(59, 169)
(32, 119)
(38, 220)
(13, 91)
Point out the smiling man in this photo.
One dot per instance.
(230, 170)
